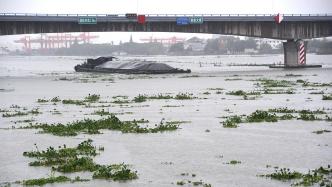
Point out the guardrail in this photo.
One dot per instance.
(160, 15)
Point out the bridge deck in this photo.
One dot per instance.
(161, 17)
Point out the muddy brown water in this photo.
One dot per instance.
(190, 149)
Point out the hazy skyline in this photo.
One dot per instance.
(157, 7)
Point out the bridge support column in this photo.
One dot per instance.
(295, 53)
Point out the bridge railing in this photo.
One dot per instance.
(158, 15)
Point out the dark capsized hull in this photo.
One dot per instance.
(129, 71)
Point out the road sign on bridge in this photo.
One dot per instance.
(87, 20)
(196, 20)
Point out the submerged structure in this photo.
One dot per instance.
(114, 65)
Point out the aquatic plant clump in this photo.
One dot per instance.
(315, 84)
(34, 111)
(72, 102)
(276, 83)
(242, 93)
(284, 174)
(92, 98)
(91, 126)
(42, 101)
(260, 116)
(327, 97)
(77, 164)
(234, 162)
(79, 158)
(232, 121)
(140, 98)
(52, 156)
(184, 96)
(116, 172)
(101, 112)
(55, 99)
(321, 176)
(43, 181)
(321, 131)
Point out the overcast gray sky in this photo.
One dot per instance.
(158, 7)
(167, 6)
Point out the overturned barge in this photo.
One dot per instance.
(113, 65)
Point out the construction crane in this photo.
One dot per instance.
(170, 40)
(55, 41)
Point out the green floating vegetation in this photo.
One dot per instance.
(275, 83)
(34, 111)
(101, 112)
(180, 96)
(140, 121)
(231, 122)
(43, 181)
(176, 122)
(271, 116)
(92, 98)
(216, 89)
(305, 111)
(72, 102)
(24, 121)
(91, 126)
(313, 84)
(55, 99)
(76, 159)
(64, 157)
(284, 174)
(140, 98)
(184, 96)
(327, 97)
(120, 101)
(161, 96)
(320, 176)
(234, 162)
(169, 106)
(116, 172)
(260, 116)
(194, 183)
(321, 131)
(242, 93)
(3, 110)
(317, 93)
(88, 99)
(14, 106)
(42, 101)
(120, 97)
(278, 91)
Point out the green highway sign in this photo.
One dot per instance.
(87, 20)
(196, 20)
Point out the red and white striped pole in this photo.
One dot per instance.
(301, 52)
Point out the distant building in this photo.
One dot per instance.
(273, 43)
(195, 44)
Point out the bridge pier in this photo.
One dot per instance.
(295, 53)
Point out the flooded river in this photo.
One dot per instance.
(201, 146)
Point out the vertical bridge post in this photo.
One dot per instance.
(295, 53)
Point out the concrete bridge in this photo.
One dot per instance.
(293, 28)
